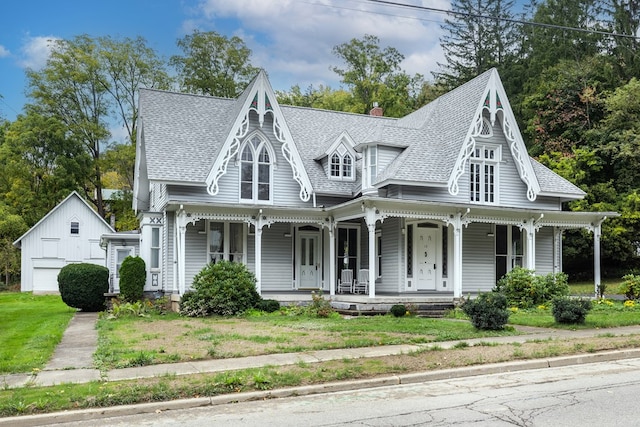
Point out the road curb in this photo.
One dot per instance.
(142, 408)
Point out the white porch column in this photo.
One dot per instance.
(530, 229)
(258, 255)
(597, 232)
(370, 220)
(181, 228)
(457, 255)
(557, 249)
(332, 259)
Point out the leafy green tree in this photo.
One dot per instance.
(71, 87)
(624, 19)
(42, 162)
(374, 75)
(479, 35)
(213, 64)
(11, 227)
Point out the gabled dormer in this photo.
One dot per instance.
(484, 159)
(339, 160)
(249, 147)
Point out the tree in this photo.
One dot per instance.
(42, 162)
(374, 75)
(11, 227)
(213, 64)
(478, 35)
(624, 51)
(88, 83)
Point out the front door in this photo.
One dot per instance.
(121, 254)
(426, 238)
(308, 264)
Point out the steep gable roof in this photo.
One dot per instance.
(52, 212)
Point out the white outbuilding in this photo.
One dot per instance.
(69, 233)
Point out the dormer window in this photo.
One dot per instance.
(341, 165)
(256, 174)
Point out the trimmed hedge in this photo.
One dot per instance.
(398, 310)
(83, 286)
(488, 311)
(571, 310)
(133, 275)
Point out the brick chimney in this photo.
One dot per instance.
(376, 110)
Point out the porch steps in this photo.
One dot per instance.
(431, 310)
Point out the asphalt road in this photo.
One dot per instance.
(596, 394)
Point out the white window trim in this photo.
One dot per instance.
(156, 248)
(226, 248)
(343, 153)
(255, 173)
(482, 162)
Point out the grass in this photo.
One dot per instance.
(605, 314)
(587, 287)
(127, 341)
(32, 326)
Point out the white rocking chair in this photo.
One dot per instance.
(362, 285)
(345, 282)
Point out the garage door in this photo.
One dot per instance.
(45, 279)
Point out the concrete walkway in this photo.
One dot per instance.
(72, 361)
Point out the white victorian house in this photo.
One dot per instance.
(441, 202)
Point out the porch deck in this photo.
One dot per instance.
(426, 304)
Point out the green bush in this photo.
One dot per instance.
(524, 289)
(268, 305)
(192, 305)
(133, 276)
(319, 306)
(630, 286)
(83, 286)
(224, 288)
(398, 310)
(488, 311)
(570, 310)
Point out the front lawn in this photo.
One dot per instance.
(137, 341)
(31, 327)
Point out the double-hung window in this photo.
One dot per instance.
(341, 165)
(226, 241)
(483, 174)
(256, 171)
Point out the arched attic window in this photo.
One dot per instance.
(341, 165)
(256, 170)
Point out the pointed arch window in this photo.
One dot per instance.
(341, 165)
(256, 170)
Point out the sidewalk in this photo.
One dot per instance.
(72, 361)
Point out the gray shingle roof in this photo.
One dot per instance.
(184, 134)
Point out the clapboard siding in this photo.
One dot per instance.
(195, 251)
(478, 259)
(544, 251)
(386, 155)
(392, 256)
(277, 265)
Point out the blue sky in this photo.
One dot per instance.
(290, 39)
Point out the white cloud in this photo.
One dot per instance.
(4, 51)
(293, 40)
(35, 51)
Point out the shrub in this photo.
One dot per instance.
(570, 310)
(269, 305)
(525, 290)
(488, 311)
(192, 305)
(225, 288)
(630, 286)
(398, 310)
(319, 306)
(83, 286)
(133, 276)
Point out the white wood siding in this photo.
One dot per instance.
(195, 251)
(386, 155)
(50, 245)
(544, 251)
(393, 267)
(478, 259)
(277, 264)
